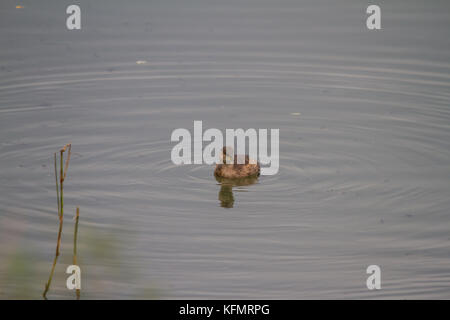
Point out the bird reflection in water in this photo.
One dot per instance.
(226, 196)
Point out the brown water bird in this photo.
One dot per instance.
(236, 166)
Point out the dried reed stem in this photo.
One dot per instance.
(57, 185)
(75, 234)
(62, 175)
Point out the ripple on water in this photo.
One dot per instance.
(370, 144)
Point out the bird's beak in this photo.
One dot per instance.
(229, 159)
(226, 158)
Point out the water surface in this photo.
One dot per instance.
(364, 123)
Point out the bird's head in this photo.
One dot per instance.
(227, 155)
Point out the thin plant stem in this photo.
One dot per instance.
(61, 200)
(75, 234)
(60, 196)
(57, 186)
(69, 146)
(47, 285)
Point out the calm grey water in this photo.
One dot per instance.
(364, 119)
